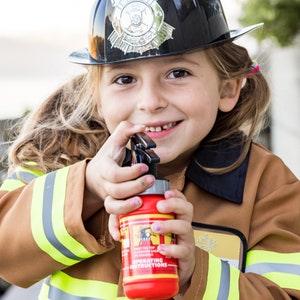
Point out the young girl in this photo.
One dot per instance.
(169, 69)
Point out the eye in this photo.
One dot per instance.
(178, 74)
(124, 79)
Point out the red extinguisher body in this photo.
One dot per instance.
(147, 274)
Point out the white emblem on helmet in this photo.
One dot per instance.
(138, 26)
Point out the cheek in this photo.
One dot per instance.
(205, 104)
(106, 109)
(113, 113)
(203, 114)
(110, 117)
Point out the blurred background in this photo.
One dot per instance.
(37, 36)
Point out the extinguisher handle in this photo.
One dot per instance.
(141, 152)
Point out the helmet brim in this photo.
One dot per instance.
(83, 57)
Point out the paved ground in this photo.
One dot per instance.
(17, 293)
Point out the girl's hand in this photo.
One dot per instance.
(181, 226)
(107, 179)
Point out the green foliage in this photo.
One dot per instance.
(281, 19)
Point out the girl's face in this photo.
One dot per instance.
(176, 97)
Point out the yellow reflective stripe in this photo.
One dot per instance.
(25, 175)
(11, 185)
(82, 287)
(44, 292)
(261, 256)
(47, 222)
(31, 171)
(37, 226)
(213, 278)
(234, 284)
(281, 268)
(222, 280)
(19, 178)
(58, 217)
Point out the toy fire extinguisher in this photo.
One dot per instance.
(147, 274)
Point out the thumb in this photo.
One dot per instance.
(124, 131)
(119, 138)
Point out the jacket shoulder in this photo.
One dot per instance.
(267, 172)
(264, 159)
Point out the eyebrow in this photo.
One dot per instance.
(168, 59)
(117, 65)
(182, 57)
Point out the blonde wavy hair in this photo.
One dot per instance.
(66, 128)
(249, 115)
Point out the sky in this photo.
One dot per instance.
(36, 37)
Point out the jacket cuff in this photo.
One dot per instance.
(199, 277)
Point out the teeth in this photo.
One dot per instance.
(160, 128)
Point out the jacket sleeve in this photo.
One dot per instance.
(41, 225)
(273, 257)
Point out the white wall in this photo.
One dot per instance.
(285, 85)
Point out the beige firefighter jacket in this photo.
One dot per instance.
(247, 232)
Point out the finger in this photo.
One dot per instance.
(113, 227)
(181, 252)
(115, 174)
(175, 226)
(114, 146)
(182, 229)
(120, 207)
(123, 190)
(176, 203)
(124, 131)
(120, 137)
(184, 235)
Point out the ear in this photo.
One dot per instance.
(229, 94)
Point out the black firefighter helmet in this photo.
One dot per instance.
(124, 30)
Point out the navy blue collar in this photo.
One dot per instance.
(229, 186)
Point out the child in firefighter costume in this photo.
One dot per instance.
(170, 69)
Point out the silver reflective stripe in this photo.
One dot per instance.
(24, 176)
(224, 281)
(263, 268)
(48, 219)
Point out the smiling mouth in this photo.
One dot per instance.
(160, 128)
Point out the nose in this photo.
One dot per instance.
(151, 97)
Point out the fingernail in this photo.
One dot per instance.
(138, 127)
(156, 227)
(161, 205)
(136, 202)
(150, 179)
(147, 181)
(169, 194)
(162, 248)
(145, 168)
